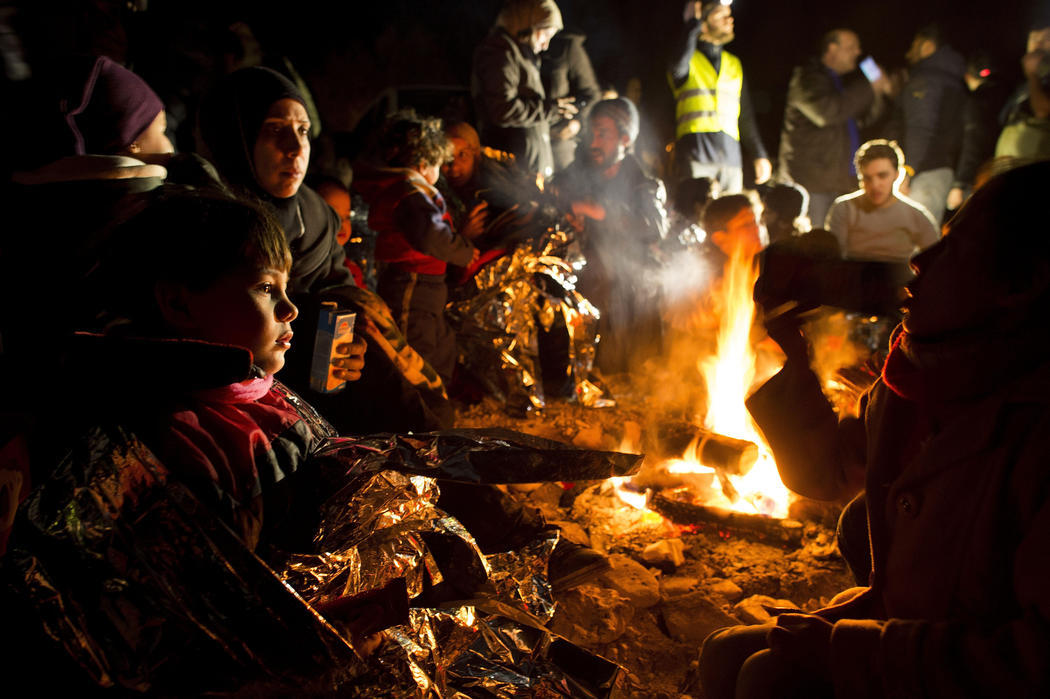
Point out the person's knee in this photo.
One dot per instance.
(723, 653)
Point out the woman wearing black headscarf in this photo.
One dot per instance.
(254, 127)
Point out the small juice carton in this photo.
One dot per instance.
(334, 328)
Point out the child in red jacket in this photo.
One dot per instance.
(197, 279)
(416, 241)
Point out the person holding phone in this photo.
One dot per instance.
(828, 102)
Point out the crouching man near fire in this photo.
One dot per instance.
(952, 449)
(620, 213)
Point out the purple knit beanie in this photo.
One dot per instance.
(111, 110)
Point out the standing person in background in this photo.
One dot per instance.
(1027, 130)
(828, 102)
(514, 111)
(980, 124)
(713, 112)
(567, 72)
(620, 213)
(929, 126)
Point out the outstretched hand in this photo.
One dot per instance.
(763, 170)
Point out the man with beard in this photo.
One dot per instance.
(713, 112)
(621, 216)
(828, 103)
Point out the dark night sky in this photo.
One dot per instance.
(350, 50)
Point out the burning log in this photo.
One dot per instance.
(724, 454)
(782, 531)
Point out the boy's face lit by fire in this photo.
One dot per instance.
(248, 308)
(339, 199)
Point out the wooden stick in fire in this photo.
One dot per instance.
(726, 455)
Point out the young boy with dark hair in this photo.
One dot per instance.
(199, 278)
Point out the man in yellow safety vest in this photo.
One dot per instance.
(713, 110)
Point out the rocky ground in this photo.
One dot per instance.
(670, 585)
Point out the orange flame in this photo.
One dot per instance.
(729, 375)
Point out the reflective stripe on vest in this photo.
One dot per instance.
(706, 102)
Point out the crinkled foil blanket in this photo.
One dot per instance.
(148, 590)
(498, 328)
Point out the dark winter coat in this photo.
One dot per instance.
(980, 129)
(635, 204)
(619, 252)
(815, 147)
(928, 125)
(958, 497)
(229, 123)
(514, 112)
(567, 72)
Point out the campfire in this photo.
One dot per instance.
(726, 473)
(702, 536)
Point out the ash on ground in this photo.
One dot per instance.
(669, 585)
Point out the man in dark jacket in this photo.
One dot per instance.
(828, 102)
(622, 217)
(514, 112)
(567, 72)
(930, 130)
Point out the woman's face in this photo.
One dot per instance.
(282, 149)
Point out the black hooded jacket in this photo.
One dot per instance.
(228, 125)
(930, 127)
